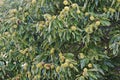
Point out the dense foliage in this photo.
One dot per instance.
(60, 40)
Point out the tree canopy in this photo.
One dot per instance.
(59, 39)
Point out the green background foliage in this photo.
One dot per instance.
(60, 40)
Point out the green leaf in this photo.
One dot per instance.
(69, 55)
(105, 23)
(93, 76)
(83, 63)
